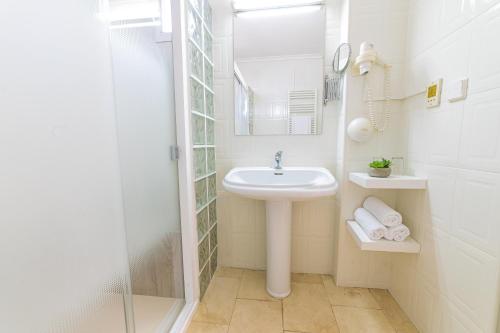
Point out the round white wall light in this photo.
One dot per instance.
(360, 129)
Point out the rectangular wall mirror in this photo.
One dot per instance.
(279, 70)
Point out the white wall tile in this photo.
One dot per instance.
(222, 57)
(403, 281)
(242, 250)
(485, 67)
(456, 146)
(473, 284)
(476, 219)
(260, 251)
(427, 311)
(480, 144)
(422, 69)
(445, 126)
(433, 261)
(319, 255)
(454, 321)
(299, 254)
(242, 214)
(455, 13)
(441, 189)
(418, 134)
(423, 25)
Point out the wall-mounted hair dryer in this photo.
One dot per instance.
(360, 129)
(367, 56)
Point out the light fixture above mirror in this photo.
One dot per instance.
(246, 6)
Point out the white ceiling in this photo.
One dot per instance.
(278, 35)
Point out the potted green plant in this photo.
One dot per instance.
(380, 168)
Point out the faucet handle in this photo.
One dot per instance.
(277, 158)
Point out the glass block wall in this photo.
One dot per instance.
(199, 42)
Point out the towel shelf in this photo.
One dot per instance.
(392, 182)
(409, 245)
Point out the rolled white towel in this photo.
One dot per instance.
(372, 227)
(397, 233)
(385, 214)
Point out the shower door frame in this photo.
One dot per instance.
(187, 201)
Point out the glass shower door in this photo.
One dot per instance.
(63, 253)
(144, 97)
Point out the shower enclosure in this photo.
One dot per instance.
(90, 216)
(142, 63)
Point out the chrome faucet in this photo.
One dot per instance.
(277, 158)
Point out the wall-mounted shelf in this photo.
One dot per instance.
(392, 182)
(409, 245)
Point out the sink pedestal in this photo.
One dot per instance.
(279, 247)
(279, 189)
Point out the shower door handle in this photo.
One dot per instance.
(174, 153)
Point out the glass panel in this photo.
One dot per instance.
(212, 187)
(209, 100)
(200, 162)
(203, 251)
(202, 222)
(207, 46)
(196, 97)
(145, 112)
(198, 128)
(213, 238)
(63, 252)
(212, 213)
(204, 280)
(209, 75)
(203, 134)
(210, 132)
(201, 192)
(210, 160)
(207, 14)
(196, 61)
(194, 26)
(197, 5)
(213, 263)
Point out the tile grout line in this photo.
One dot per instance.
(330, 302)
(232, 314)
(234, 304)
(259, 300)
(383, 309)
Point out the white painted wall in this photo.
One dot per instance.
(242, 221)
(452, 286)
(61, 224)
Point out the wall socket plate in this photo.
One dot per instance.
(457, 90)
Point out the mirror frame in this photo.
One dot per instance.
(336, 58)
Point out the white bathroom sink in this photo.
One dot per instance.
(294, 184)
(280, 187)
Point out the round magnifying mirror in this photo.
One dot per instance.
(341, 58)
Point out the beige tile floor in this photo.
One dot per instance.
(237, 302)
